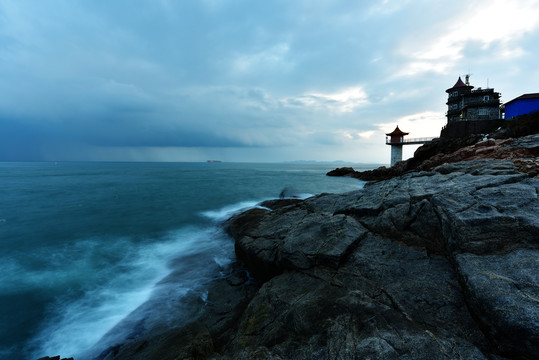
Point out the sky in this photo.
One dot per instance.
(247, 80)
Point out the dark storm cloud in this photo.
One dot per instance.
(76, 76)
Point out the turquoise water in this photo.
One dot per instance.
(84, 244)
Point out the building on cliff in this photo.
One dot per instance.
(524, 104)
(470, 110)
(465, 103)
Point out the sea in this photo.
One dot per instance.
(83, 245)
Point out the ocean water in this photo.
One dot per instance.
(85, 244)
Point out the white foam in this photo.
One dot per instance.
(304, 196)
(227, 211)
(75, 327)
(84, 322)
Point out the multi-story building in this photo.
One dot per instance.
(465, 103)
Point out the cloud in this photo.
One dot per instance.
(366, 134)
(386, 7)
(345, 100)
(274, 57)
(96, 78)
(481, 23)
(424, 124)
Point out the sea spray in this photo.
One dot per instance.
(160, 272)
(227, 211)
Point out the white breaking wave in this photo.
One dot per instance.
(227, 211)
(74, 328)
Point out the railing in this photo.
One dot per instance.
(423, 139)
(479, 102)
(411, 141)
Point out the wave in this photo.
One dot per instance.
(226, 212)
(229, 210)
(146, 284)
(75, 327)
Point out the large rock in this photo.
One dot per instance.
(387, 301)
(431, 265)
(344, 171)
(297, 237)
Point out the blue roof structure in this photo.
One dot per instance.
(524, 104)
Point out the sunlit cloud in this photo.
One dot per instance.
(423, 124)
(422, 66)
(498, 20)
(343, 101)
(366, 134)
(481, 22)
(355, 135)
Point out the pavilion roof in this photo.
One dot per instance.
(397, 131)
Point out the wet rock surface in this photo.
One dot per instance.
(438, 264)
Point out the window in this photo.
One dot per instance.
(483, 112)
(486, 98)
(455, 93)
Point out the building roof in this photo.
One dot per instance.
(525, 96)
(459, 84)
(397, 131)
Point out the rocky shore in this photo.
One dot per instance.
(430, 265)
(443, 151)
(438, 263)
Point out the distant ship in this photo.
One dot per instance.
(214, 161)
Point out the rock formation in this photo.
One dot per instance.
(441, 263)
(442, 151)
(431, 265)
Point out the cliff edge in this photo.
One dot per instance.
(434, 264)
